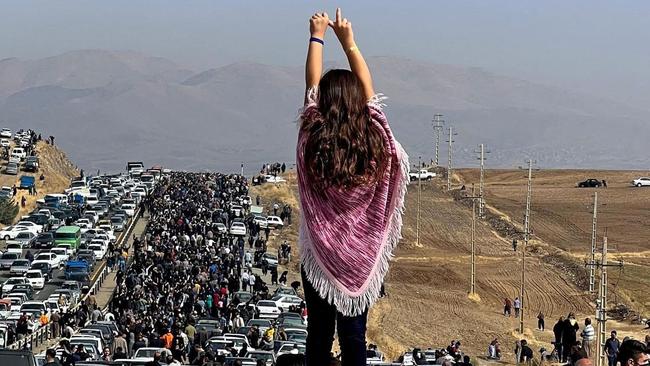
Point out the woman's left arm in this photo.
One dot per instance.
(314, 66)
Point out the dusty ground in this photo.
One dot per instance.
(58, 172)
(428, 304)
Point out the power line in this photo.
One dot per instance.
(437, 129)
(526, 239)
(592, 269)
(481, 157)
(450, 152)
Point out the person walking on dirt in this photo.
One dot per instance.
(346, 153)
(540, 321)
(517, 305)
(569, 329)
(507, 307)
(514, 245)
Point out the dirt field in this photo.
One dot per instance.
(428, 304)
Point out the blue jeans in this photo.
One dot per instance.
(611, 360)
(320, 327)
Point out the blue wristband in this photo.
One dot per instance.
(314, 39)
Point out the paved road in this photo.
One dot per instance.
(57, 275)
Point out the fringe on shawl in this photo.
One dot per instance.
(353, 306)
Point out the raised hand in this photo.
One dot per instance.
(318, 25)
(343, 29)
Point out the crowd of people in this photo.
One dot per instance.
(184, 269)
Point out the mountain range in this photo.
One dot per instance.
(107, 107)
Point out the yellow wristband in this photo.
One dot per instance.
(352, 49)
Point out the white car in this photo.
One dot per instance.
(68, 248)
(261, 221)
(641, 182)
(238, 228)
(16, 248)
(5, 132)
(4, 143)
(31, 226)
(129, 208)
(61, 254)
(19, 151)
(268, 309)
(10, 232)
(274, 222)
(274, 179)
(98, 250)
(48, 257)
(221, 228)
(288, 348)
(35, 278)
(11, 282)
(285, 301)
(108, 231)
(102, 238)
(146, 353)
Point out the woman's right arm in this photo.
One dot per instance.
(343, 29)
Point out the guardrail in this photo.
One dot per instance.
(44, 333)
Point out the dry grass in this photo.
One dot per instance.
(58, 172)
(428, 303)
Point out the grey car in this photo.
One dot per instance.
(19, 267)
(7, 259)
(12, 168)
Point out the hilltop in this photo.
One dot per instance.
(428, 304)
(54, 165)
(113, 106)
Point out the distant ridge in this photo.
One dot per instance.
(113, 106)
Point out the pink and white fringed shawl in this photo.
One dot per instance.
(347, 236)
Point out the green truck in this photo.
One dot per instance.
(68, 235)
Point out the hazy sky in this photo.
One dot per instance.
(596, 46)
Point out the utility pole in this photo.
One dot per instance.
(450, 152)
(601, 303)
(472, 278)
(526, 239)
(417, 228)
(481, 207)
(242, 169)
(437, 128)
(592, 269)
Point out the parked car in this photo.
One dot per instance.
(6, 133)
(35, 278)
(274, 222)
(422, 174)
(31, 226)
(641, 182)
(590, 183)
(11, 168)
(10, 232)
(44, 240)
(267, 309)
(25, 238)
(7, 259)
(45, 268)
(9, 284)
(48, 257)
(19, 267)
(238, 228)
(5, 143)
(285, 301)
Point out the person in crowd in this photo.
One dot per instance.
(569, 339)
(612, 345)
(507, 307)
(540, 321)
(517, 305)
(633, 353)
(345, 151)
(526, 353)
(588, 338)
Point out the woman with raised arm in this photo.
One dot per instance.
(352, 176)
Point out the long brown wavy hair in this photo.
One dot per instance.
(344, 149)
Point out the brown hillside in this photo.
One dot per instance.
(428, 304)
(54, 165)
